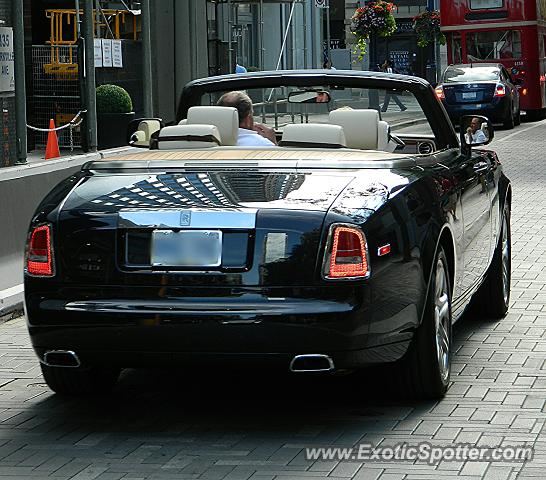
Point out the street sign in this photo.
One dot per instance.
(7, 60)
(321, 3)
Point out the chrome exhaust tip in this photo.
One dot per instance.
(312, 362)
(61, 358)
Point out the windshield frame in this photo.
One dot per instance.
(440, 124)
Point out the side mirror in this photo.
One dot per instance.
(475, 131)
(140, 131)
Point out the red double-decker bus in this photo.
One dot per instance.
(511, 32)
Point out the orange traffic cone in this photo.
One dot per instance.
(52, 147)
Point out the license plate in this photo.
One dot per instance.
(469, 95)
(191, 248)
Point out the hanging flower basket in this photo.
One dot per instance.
(427, 27)
(374, 18)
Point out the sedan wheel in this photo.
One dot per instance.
(509, 121)
(425, 369)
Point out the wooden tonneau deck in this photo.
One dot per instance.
(237, 157)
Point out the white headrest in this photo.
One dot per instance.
(360, 126)
(226, 119)
(313, 135)
(383, 137)
(144, 132)
(188, 136)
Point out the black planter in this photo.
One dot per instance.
(112, 129)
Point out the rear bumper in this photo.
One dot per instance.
(496, 111)
(243, 326)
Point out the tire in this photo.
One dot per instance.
(493, 297)
(79, 381)
(517, 120)
(424, 371)
(509, 120)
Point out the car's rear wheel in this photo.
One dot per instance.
(517, 120)
(79, 381)
(493, 297)
(424, 371)
(509, 120)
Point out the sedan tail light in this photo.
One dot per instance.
(40, 252)
(440, 93)
(346, 253)
(500, 91)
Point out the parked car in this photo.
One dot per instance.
(480, 88)
(350, 244)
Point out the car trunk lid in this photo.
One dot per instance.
(265, 227)
(463, 93)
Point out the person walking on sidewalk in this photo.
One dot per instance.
(387, 68)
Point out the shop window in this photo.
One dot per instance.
(486, 4)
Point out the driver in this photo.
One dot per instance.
(474, 134)
(250, 134)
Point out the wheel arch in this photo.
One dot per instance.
(439, 237)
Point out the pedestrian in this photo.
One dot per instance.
(240, 69)
(387, 68)
(373, 93)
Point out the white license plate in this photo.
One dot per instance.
(469, 95)
(189, 248)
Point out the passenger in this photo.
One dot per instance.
(474, 134)
(250, 134)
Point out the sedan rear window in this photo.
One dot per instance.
(471, 74)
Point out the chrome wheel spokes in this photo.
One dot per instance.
(442, 320)
(505, 260)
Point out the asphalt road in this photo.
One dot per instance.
(255, 425)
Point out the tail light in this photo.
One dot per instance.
(440, 93)
(346, 254)
(40, 252)
(500, 91)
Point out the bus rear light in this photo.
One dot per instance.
(524, 91)
(347, 253)
(500, 91)
(40, 253)
(440, 93)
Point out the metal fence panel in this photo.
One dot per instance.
(55, 92)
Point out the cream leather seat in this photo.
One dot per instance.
(313, 135)
(363, 129)
(225, 119)
(188, 136)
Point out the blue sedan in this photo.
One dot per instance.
(481, 89)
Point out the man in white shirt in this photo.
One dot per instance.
(250, 134)
(474, 134)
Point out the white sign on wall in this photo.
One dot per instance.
(7, 60)
(117, 54)
(98, 52)
(106, 52)
(321, 3)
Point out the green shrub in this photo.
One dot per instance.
(113, 99)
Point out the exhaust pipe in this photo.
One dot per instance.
(61, 358)
(312, 362)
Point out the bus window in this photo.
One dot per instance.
(456, 48)
(493, 45)
(485, 4)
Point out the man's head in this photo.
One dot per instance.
(475, 124)
(242, 102)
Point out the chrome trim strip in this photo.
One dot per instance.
(198, 218)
